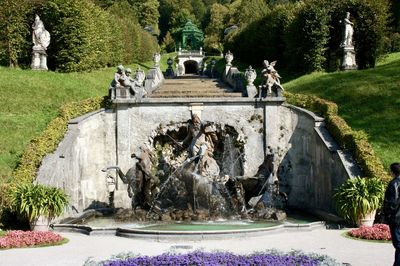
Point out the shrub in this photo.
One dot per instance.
(18, 239)
(375, 232)
(33, 201)
(359, 196)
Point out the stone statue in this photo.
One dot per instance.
(349, 54)
(271, 79)
(229, 58)
(348, 31)
(201, 138)
(156, 59)
(134, 85)
(40, 36)
(251, 75)
(119, 76)
(146, 183)
(41, 40)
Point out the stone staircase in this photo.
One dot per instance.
(193, 87)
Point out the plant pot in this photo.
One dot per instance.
(367, 220)
(41, 225)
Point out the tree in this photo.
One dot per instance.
(14, 27)
(250, 10)
(214, 32)
(168, 44)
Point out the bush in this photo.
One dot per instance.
(18, 239)
(359, 196)
(32, 201)
(375, 232)
(354, 141)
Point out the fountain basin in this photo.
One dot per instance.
(192, 231)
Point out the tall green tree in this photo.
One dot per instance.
(14, 27)
(214, 32)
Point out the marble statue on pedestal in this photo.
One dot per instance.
(41, 40)
(349, 54)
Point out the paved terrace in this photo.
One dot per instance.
(322, 241)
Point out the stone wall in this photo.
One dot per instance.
(312, 165)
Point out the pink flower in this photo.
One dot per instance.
(20, 238)
(375, 232)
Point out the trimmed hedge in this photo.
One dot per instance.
(354, 141)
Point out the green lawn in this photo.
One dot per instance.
(367, 100)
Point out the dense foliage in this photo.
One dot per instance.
(19, 239)
(84, 36)
(375, 232)
(359, 196)
(308, 34)
(32, 201)
(225, 258)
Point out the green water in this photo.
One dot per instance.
(209, 226)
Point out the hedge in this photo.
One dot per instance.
(353, 140)
(305, 36)
(83, 35)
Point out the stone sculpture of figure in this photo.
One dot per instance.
(119, 78)
(156, 59)
(348, 31)
(134, 85)
(201, 139)
(271, 79)
(40, 36)
(146, 183)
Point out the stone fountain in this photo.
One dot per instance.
(197, 158)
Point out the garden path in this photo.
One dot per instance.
(321, 241)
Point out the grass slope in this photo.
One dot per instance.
(368, 100)
(31, 99)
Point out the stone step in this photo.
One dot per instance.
(196, 90)
(208, 95)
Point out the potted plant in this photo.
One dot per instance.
(358, 199)
(36, 202)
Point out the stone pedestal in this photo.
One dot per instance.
(251, 91)
(349, 58)
(39, 60)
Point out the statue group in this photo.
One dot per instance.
(125, 86)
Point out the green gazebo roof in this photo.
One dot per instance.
(189, 37)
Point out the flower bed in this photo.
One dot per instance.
(224, 258)
(18, 239)
(375, 232)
